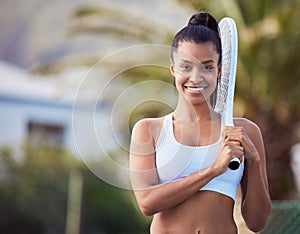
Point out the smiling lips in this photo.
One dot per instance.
(194, 89)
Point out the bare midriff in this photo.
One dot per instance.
(205, 212)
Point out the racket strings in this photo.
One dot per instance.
(222, 88)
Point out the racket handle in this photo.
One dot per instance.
(234, 163)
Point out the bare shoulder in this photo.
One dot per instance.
(142, 123)
(252, 129)
(144, 137)
(148, 123)
(148, 127)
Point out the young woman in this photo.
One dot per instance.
(179, 162)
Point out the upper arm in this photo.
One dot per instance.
(142, 155)
(254, 133)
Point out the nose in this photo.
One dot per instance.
(197, 76)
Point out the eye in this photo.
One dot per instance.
(186, 67)
(206, 68)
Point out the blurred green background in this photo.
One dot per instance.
(50, 190)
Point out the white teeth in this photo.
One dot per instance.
(198, 89)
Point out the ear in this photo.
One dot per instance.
(219, 70)
(172, 70)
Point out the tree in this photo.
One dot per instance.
(110, 24)
(34, 193)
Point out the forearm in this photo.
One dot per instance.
(256, 205)
(165, 196)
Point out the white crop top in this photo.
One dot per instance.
(175, 161)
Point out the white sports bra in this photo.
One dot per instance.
(175, 161)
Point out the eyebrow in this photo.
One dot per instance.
(190, 62)
(208, 61)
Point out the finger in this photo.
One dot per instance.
(235, 142)
(238, 128)
(236, 138)
(232, 141)
(232, 130)
(240, 157)
(231, 150)
(233, 147)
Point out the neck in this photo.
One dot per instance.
(190, 112)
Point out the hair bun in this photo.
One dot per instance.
(204, 19)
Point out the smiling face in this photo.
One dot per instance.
(195, 68)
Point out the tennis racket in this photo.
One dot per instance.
(226, 85)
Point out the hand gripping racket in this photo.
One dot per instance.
(226, 85)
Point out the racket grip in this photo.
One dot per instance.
(234, 163)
